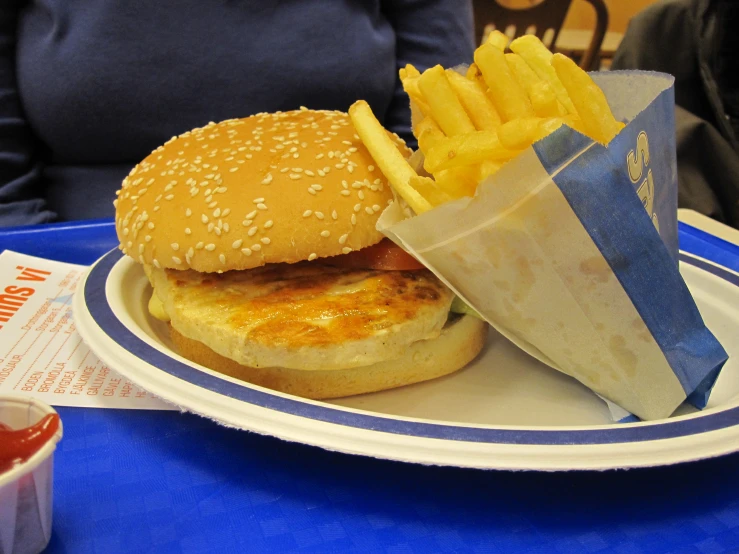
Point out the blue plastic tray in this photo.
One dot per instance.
(130, 481)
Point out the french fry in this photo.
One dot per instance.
(498, 39)
(446, 109)
(428, 138)
(473, 72)
(544, 101)
(589, 100)
(518, 134)
(539, 58)
(508, 96)
(428, 133)
(457, 181)
(430, 190)
(385, 153)
(410, 86)
(486, 169)
(476, 103)
(409, 71)
(525, 76)
(469, 149)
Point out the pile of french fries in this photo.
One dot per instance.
(468, 126)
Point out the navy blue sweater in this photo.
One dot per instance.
(89, 87)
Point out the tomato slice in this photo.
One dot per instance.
(384, 255)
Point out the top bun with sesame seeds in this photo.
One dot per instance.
(270, 188)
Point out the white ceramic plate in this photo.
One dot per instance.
(504, 411)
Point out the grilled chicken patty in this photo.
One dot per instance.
(305, 315)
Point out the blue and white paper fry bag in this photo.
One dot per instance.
(571, 252)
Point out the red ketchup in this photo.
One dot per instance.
(17, 446)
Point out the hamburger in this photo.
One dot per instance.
(258, 238)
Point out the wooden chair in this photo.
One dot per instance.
(543, 20)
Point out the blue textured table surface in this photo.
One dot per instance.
(135, 481)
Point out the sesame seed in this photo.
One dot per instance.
(246, 222)
(175, 246)
(141, 248)
(204, 218)
(284, 170)
(357, 207)
(176, 260)
(147, 238)
(268, 224)
(334, 215)
(344, 184)
(319, 215)
(211, 225)
(232, 170)
(307, 213)
(226, 227)
(312, 257)
(246, 251)
(350, 169)
(258, 200)
(267, 180)
(169, 197)
(210, 247)
(330, 155)
(316, 187)
(156, 263)
(325, 234)
(376, 207)
(252, 231)
(190, 253)
(187, 230)
(226, 212)
(342, 238)
(222, 258)
(361, 195)
(312, 191)
(369, 210)
(125, 232)
(297, 169)
(261, 206)
(217, 212)
(265, 240)
(339, 166)
(218, 231)
(213, 204)
(309, 173)
(295, 176)
(199, 245)
(256, 247)
(321, 173)
(156, 208)
(221, 190)
(371, 167)
(346, 250)
(345, 192)
(251, 215)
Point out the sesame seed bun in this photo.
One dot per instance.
(269, 188)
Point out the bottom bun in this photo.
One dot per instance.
(460, 341)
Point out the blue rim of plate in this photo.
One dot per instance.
(105, 319)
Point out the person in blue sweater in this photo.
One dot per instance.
(88, 89)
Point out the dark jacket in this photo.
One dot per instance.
(696, 41)
(88, 89)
